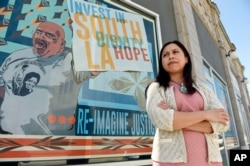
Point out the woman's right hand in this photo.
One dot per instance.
(163, 105)
(217, 115)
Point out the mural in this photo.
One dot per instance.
(47, 105)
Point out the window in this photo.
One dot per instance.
(243, 120)
(242, 111)
(206, 70)
(215, 83)
(110, 109)
(230, 135)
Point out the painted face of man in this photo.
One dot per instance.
(48, 39)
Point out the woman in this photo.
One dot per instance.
(29, 82)
(187, 115)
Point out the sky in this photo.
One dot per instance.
(235, 17)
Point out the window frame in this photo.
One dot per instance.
(211, 79)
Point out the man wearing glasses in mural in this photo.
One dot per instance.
(47, 102)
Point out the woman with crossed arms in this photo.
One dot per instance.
(186, 113)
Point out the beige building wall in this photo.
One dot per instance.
(210, 16)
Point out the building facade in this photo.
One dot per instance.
(197, 24)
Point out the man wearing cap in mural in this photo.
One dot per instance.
(40, 85)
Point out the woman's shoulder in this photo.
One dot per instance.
(201, 85)
(154, 84)
(152, 87)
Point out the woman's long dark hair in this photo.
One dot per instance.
(163, 77)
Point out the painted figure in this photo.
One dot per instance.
(39, 86)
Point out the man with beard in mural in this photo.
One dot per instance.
(48, 104)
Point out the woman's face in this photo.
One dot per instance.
(173, 59)
(31, 83)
